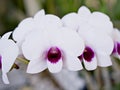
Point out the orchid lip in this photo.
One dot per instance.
(54, 54)
(118, 48)
(0, 61)
(88, 54)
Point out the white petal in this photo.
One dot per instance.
(35, 45)
(26, 22)
(97, 18)
(38, 19)
(116, 35)
(71, 21)
(39, 14)
(48, 22)
(104, 60)
(5, 78)
(66, 39)
(55, 67)
(92, 65)
(19, 44)
(26, 26)
(36, 66)
(84, 15)
(84, 28)
(101, 42)
(53, 21)
(6, 35)
(84, 12)
(72, 63)
(9, 52)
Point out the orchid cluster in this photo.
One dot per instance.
(46, 41)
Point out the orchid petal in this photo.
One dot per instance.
(84, 15)
(92, 65)
(97, 18)
(39, 14)
(116, 35)
(23, 29)
(71, 21)
(101, 42)
(35, 45)
(72, 63)
(104, 60)
(38, 19)
(49, 22)
(36, 66)
(84, 11)
(9, 53)
(55, 67)
(6, 35)
(5, 78)
(53, 21)
(68, 40)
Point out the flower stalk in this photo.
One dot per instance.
(23, 60)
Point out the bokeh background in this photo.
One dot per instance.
(13, 11)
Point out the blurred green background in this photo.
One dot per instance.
(13, 11)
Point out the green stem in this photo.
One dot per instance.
(14, 66)
(23, 60)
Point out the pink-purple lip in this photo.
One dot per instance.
(116, 48)
(54, 54)
(88, 54)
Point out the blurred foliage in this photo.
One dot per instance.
(62, 7)
(13, 11)
(116, 87)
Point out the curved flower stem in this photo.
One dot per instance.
(23, 60)
(14, 66)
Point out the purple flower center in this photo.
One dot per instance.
(88, 54)
(54, 54)
(118, 48)
(0, 61)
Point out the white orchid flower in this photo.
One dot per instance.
(116, 39)
(8, 55)
(96, 29)
(53, 49)
(99, 47)
(97, 20)
(39, 21)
